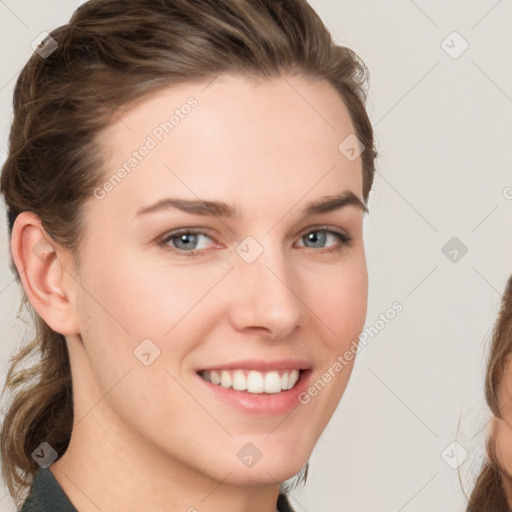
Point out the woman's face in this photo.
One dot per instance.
(167, 291)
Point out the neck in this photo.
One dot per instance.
(99, 472)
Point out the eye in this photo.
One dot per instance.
(319, 236)
(185, 242)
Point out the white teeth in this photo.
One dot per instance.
(253, 381)
(273, 382)
(294, 377)
(284, 380)
(239, 382)
(225, 379)
(214, 376)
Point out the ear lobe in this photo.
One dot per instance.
(41, 265)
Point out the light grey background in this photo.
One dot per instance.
(444, 132)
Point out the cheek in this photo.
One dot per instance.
(339, 304)
(503, 444)
(501, 428)
(340, 298)
(139, 301)
(133, 301)
(120, 310)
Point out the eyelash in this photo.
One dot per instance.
(344, 241)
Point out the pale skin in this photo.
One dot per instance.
(150, 437)
(501, 430)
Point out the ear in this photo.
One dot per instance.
(45, 276)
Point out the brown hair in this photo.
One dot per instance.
(111, 53)
(488, 493)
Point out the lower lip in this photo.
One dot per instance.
(269, 404)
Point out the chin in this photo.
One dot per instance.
(264, 472)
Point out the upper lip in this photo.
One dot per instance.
(260, 365)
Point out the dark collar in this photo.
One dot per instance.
(283, 504)
(46, 495)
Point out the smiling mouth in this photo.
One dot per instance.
(253, 381)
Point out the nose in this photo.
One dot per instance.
(264, 295)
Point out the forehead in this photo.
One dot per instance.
(236, 138)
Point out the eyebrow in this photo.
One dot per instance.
(221, 209)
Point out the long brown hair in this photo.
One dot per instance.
(488, 494)
(111, 53)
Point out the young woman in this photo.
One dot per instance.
(493, 488)
(186, 185)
